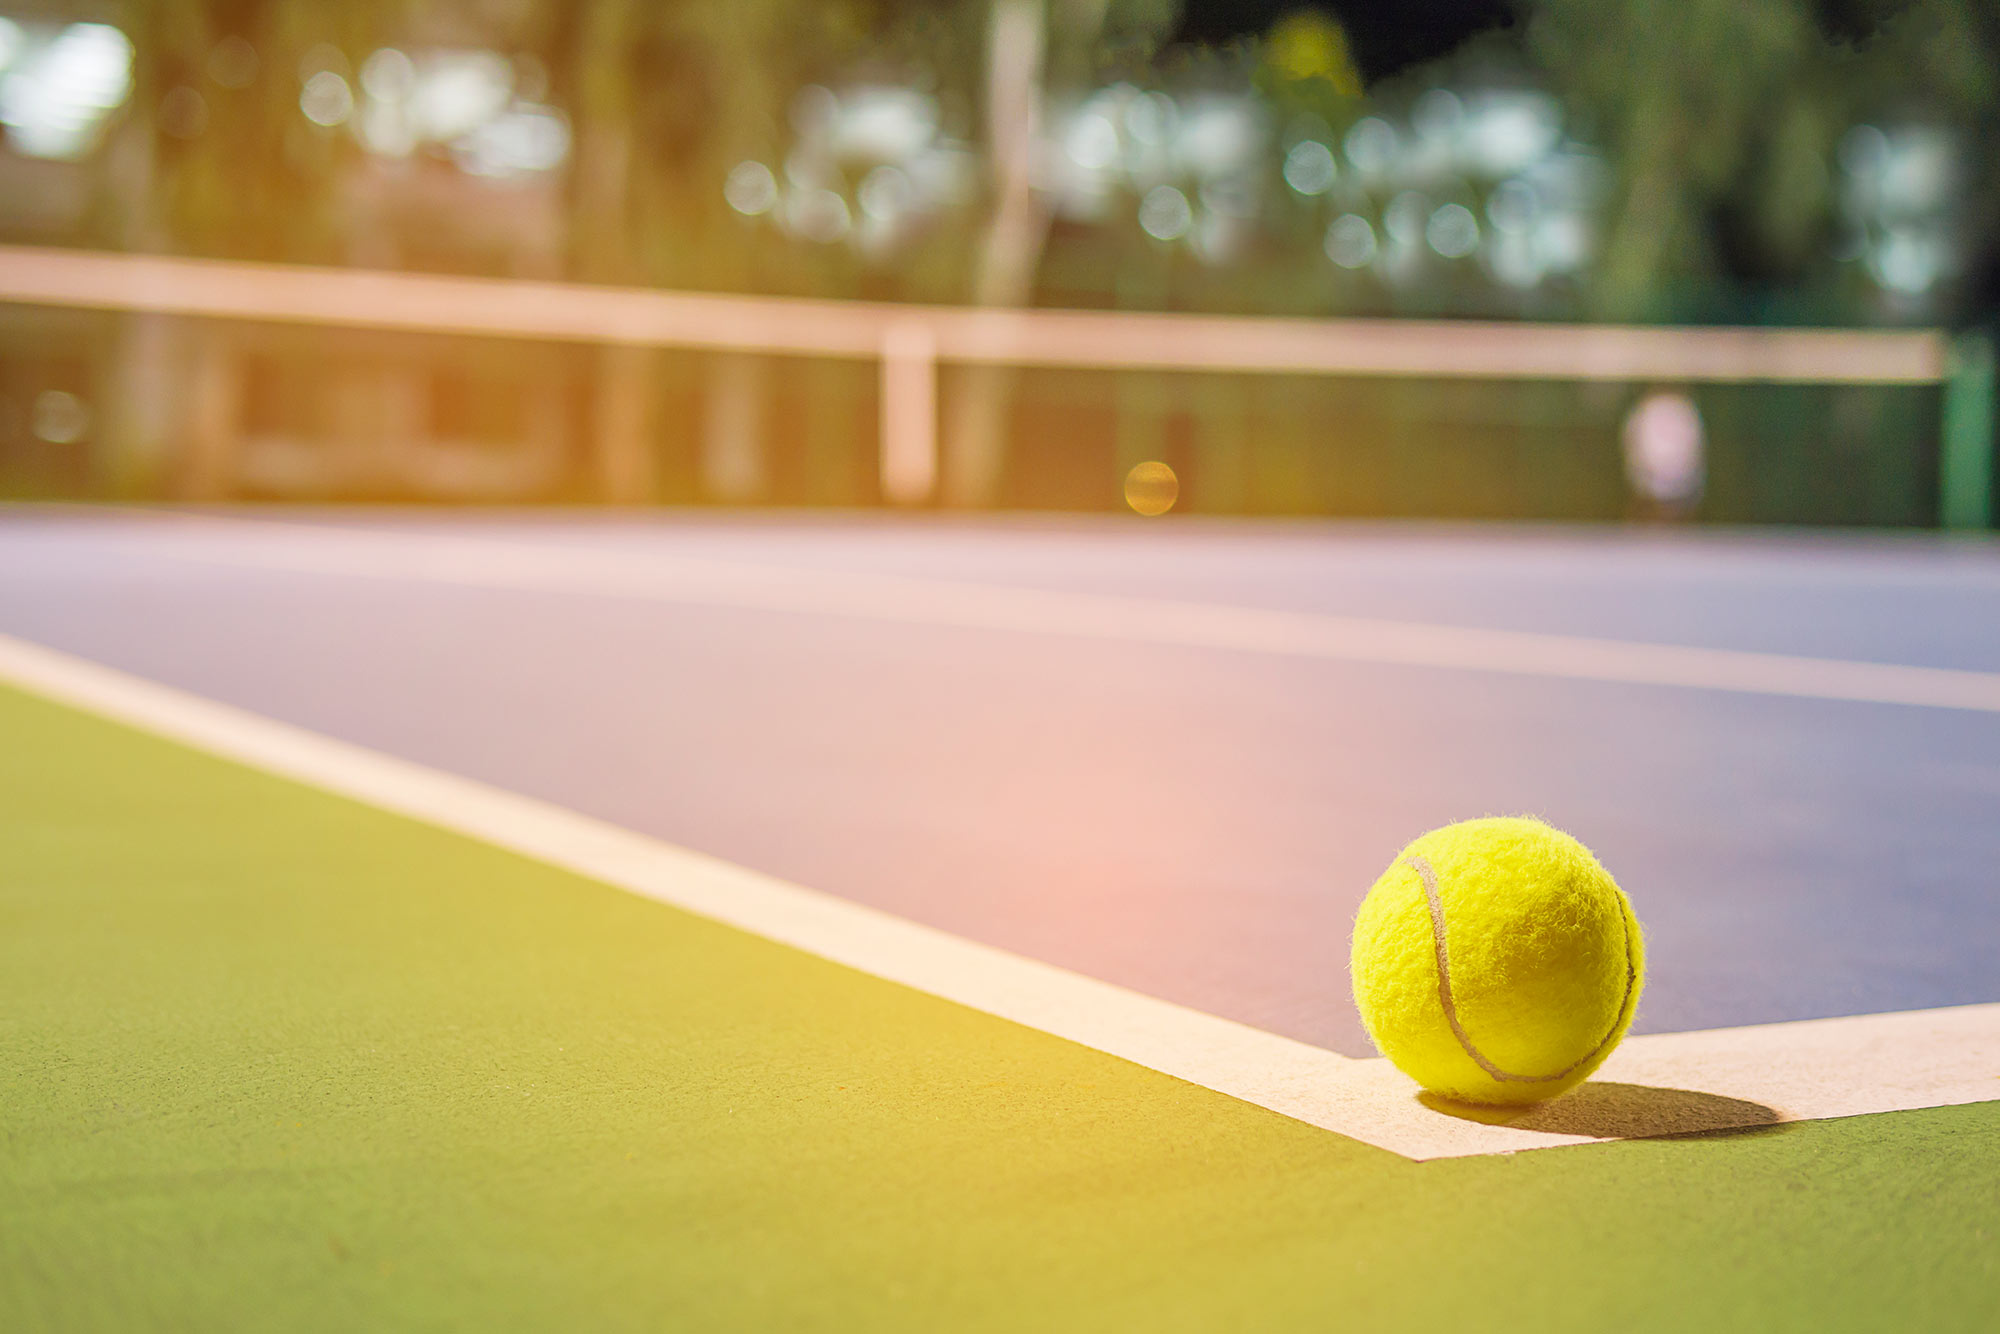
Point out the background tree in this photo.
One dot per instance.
(1721, 119)
(1031, 53)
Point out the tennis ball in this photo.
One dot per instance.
(1497, 962)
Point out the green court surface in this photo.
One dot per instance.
(272, 1059)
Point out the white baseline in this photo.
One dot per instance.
(1675, 1083)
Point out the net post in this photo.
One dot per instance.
(1965, 454)
(735, 467)
(909, 460)
(214, 434)
(625, 471)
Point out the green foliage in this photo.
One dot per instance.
(232, 166)
(1722, 118)
(1308, 67)
(666, 98)
(1684, 95)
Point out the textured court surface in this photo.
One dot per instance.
(273, 1059)
(269, 1059)
(1196, 823)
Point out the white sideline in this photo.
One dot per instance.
(914, 600)
(1717, 1080)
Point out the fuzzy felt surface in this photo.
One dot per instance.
(1543, 956)
(273, 1060)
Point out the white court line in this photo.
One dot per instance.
(923, 601)
(1697, 1081)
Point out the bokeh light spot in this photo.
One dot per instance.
(60, 418)
(1452, 231)
(1350, 241)
(1151, 488)
(233, 62)
(1165, 213)
(1371, 145)
(388, 75)
(751, 188)
(818, 215)
(326, 99)
(1310, 168)
(183, 112)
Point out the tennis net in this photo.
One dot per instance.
(213, 379)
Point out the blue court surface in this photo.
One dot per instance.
(1194, 820)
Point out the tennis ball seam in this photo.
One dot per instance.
(1422, 866)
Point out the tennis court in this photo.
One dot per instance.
(351, 974)
(829, 665)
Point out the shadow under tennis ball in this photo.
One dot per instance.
(1623, 1111)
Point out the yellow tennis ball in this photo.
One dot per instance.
(1497, 962)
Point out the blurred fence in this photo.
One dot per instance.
(211, 379)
